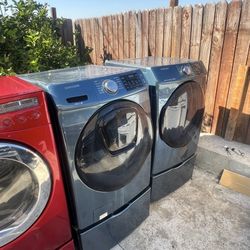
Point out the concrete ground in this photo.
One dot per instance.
(200, 215)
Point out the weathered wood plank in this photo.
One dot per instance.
(80, 37)
(145, 33)
(96, 36)
(151, 35)
(176, 32)
(168, 26)
(100, 30)
(83, 31)
(241, 128)
(138, 37)
(236, 182)
(67, 31)
(86, 36)
(215, 59)
(227, 59)
(207, 32)
(159, 32)
(120, 37)
(196, 31)
(186, 31)
(110, 36)
(115, 36)
(241, 47)
(90, 39)
(105, 34)
(236, 100)
(132, 21)
(126, 35)
(246, 111)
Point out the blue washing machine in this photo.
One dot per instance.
(105, 133)
(177, 89)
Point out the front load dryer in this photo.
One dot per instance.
(33, 208)
(177, 88)
(104, 117)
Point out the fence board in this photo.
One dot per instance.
(89, 39)
(196, 31)
(98, 42)
(126, 35)
(67, 31)
(105, 33)
(100, 31)
(120, 36)
(115, 36)
(241, 127)
(159, 32)
(186, 31)
(236, 101)
(241, 47)
(83, 30)
(151, 35)
(138, 32)
(132, 41)
(207, 32)
(168, 24)
(80, 37)
(176, 32)
(246, 111)
(215, 60)
(233, 17)
(144, 33)
(110, 36)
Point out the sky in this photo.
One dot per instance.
(94, 8)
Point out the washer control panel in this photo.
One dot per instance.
(110, 86)
(131, 81)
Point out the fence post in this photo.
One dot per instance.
(173, 3)
(53, 13)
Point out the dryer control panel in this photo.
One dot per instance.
(178, 72)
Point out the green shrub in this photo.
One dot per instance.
(30, 40)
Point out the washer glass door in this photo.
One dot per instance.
(113, 146)
(181, 116)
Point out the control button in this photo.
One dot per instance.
(110, 86)
(21, 119)
(187, 70)
(7, 123)
(36, 115)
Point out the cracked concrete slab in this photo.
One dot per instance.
(200, 215)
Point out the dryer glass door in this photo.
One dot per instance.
(181, 116)
(113, 146)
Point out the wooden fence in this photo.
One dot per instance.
(218, 34)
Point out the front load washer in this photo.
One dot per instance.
(104, 117)
(33, 208)
(177, 88)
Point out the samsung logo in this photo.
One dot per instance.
(72, 86)
(164, 68)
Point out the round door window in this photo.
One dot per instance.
(25, 185)
(113, 146)
(181, 116)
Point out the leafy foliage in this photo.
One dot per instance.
(30, 41)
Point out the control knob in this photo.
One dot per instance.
(187, 70)
(110, 86)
